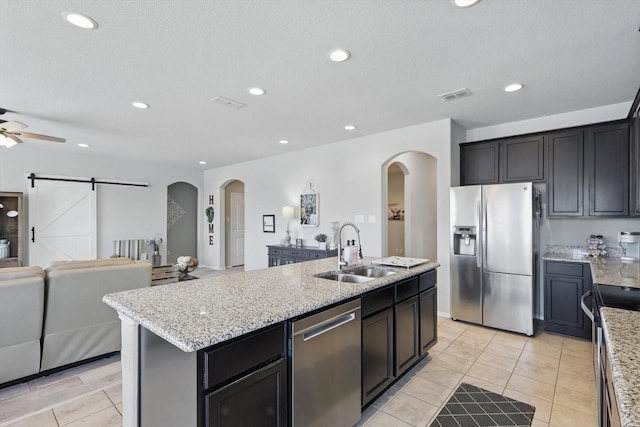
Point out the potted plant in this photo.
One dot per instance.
(322, 240)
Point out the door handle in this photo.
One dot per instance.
(33, 234)
(587, 310)
(329, 326)
(479, 240)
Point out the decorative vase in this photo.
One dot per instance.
(156, 259)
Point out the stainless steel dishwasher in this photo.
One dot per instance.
(325, 367)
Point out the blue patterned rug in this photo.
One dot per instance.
(471, 406)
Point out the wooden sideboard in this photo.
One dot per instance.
(281, 255)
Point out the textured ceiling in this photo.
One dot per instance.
(177, 55)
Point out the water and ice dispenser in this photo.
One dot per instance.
(464, 240)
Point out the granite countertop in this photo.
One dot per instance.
(198, 313)
(623, 341)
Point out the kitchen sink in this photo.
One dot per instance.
(356, 275)
(373, 272)
(344, 277)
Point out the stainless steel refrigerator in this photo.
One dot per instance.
(493, 253)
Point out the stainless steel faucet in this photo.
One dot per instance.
(341, 261)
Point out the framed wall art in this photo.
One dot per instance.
(268, 223)
(309, 208)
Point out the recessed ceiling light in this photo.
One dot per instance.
(513, 87)
(257, 91)
(339, 55)
(140, 105)
(283, 141)
(465, 3)
(80, 20)
(84, 145)
(202, 163)
(350, 127)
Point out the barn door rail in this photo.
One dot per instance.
(33, 177)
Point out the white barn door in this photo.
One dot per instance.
(62, 222)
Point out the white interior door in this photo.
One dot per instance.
(62, 222)
(237, 229)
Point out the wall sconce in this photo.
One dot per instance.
(288, 213)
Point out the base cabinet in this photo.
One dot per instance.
(254, 400)
(283, 255)
(244, 382)
(564, 285)
(399, 326)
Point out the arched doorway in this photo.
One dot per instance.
(418, 184)
(182, 221)
(234, 224)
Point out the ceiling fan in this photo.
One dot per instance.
(11, 131)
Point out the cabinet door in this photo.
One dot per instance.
(258, 399)
(521, 159)
(428, 320)
(407, 347)
(565, 170)
(479, 163)
(377, 354)
(634, 172)
(562, 311)
(608, 170)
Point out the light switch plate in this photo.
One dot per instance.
(372, 219)
(359, 219)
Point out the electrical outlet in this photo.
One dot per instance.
(359, 219)
(372, 219)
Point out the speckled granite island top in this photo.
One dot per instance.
(195, 314)
(621, 329)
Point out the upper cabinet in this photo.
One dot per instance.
(634, 181)
(588, 172)
(517, 159)
(479, 163)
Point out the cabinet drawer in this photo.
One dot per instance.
(428, 280)
(564, 268)
(377, 300)
(407, 288)
(295, 253)
(228, 361)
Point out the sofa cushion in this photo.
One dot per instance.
(12, 273)
(75, 265)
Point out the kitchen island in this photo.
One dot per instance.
(170, 324)
(620, 330)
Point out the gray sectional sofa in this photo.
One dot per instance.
(55, 317)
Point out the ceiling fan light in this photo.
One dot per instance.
(80, 20)
(8, 140)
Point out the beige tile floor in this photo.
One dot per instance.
(551, 372)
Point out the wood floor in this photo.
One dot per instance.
(551, 372)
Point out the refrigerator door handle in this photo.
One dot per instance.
(484, 234)
(479, 241)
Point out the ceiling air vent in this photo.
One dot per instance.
(228, 102)
(455, 94)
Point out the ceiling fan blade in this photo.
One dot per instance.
(38, 136)
(12, 126)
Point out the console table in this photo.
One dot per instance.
(281, 255)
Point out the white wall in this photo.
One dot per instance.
(123, 212)
(348, 177)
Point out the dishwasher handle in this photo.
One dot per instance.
(328, 326)
(586, 309)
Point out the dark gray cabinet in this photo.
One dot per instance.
(564, 285)
(522, 159)
(282, 255)
(634, 172)
(399, 326)
(244, 382)
(519, 159)
(607, 160)
(479, 163)
(565, 171)
(588, 172)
